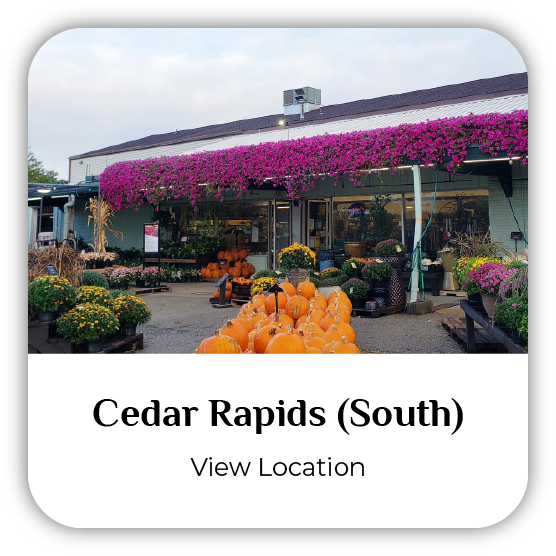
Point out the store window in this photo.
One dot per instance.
(454, 211)
(369, 219)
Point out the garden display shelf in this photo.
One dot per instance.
(145, 290)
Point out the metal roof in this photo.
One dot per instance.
(80, 189)
(485, 106)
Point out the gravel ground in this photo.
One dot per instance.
(184, 317)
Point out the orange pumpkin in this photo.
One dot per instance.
(258, 300)
(245, 264)
(219, 343)
(311, 327)
(297, 306)
(264, 335)
(343, 346)
(251, 269)
(288, 287)
(332, 334)
(238, 265)
(306, 288)
(251, 345)
(237, 331)
(328, 320)
(203, 272)
(216, 274)
(319, 300)
(217, 294)
(309, 317)
(228, 294)
(220, 255)
(329, 346)
(245, 272)
(270, 304)
(313, 350)
(242, 254)
(345, 329)
(281, 318)
(315, 341)
(286, 343)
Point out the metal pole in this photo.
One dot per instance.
(418, 230)
(40, 216)
(98, 218)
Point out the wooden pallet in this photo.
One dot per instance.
(456, 293)
(145, 291)
(485, 342)
(124, 344)
(238, 302)
(216, 303)
(373, 313)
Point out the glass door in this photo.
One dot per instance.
(280, 229)
(318, 224)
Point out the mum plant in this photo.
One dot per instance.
(87, 321)
(94, 294)
(354, 266)
(129, 309)
(334, 281)
(462, 266)
(377, 269)
(356, 289)
(50, 293)
(262, 284)
(330, 273)
(265, 273)
(94, 279)
(119, 276)
(390, 248)
(509, 313)
(297, 256)
(487, 278)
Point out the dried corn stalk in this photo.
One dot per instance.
(104, 217)
(65, 259)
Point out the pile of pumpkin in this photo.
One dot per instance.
(235, 265)
(303, 321)
(229, 292)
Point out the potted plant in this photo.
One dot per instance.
(119, 277)
(108, 258)
(392, 251)
(377, 273)
(131, 311)
(509, 313)
(487, 279)
(297, 260)
(94, 294)
(390, 248)
(50, 293)
(353, 267)
(89, 323)
(461, 268)
(357, 291)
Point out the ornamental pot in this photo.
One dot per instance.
(99, 263)
(380, 292)
(381, 302)
(140, 283)
(297, 275)
(151, 285)
(188, 278)
(488, 304)
(474, 298)
(357, 303)
(130, 330)
(382, 283)
(397, 293)
(94, 346)
(48, 316)
(355, 249)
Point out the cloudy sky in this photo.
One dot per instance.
(91, 88)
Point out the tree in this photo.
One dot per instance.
(36, 172)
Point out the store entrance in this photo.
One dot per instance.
(280, 229)
(318, 232)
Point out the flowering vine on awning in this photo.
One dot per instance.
(298, 163)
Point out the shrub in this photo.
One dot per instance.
(377, 269)
(390, 248)
(129, 309)
(117, 293)
(510, 312)
(523, 328)
(94, 294)
(94, 279)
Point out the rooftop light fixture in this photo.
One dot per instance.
(287, 124)
(43, 190)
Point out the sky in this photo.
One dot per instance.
(92, 88)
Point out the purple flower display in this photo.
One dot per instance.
(297, 164)
(489, 276)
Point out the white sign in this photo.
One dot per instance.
(151, 238)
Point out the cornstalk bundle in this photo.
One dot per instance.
(101, 217)
(65, 259)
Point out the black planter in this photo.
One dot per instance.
(123, 287)
(517, 338)
(99, 264)
(140, 283)
(130, 330)
(188, 278)
(151, 285)
(357, 303)
(380, 292)
(88, 264)
(374, 283)
(474, 298)
(94, 346)
(48, 316)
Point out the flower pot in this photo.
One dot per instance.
(488, 304)
(380, 292)
(374, 283)
(107, 264)
(123, 286)
(355, 248)
(140, 283)
(397, 292)
(297, 275)
(88, 264)
(188, 278)
(130, 330)
(517, 338)
(48, 316)
(151, 285)
(357, 303)
(94, 346)
(474, 298)
(99, 264)
(381, 302)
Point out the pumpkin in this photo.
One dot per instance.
(258, 300)
(345, 329)
(315, 341)
(281, 318)
(216, 274)
(319, 301)
(237, 331)
(235, 256)
(328, 320)
(219, 343)
(251, 269)
(221, 255)
(313, 350)
(306, 288)
(229, 286)
(309, 317)
(286, 343)
(242, 254)
(203, 272)
(264, 335)
(297, 306)
(228, 294)
(288, 287)
(234, 296)
(329, 346)
(251, 345)
(311, 327)
(217, 294)
(270, 304)
(245, 271)
(343, 311)
(238, 265)
(343, 346)
(332, 334)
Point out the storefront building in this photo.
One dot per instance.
(263, 219)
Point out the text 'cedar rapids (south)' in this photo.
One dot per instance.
(319, 468)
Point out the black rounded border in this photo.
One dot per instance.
(38, 525)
